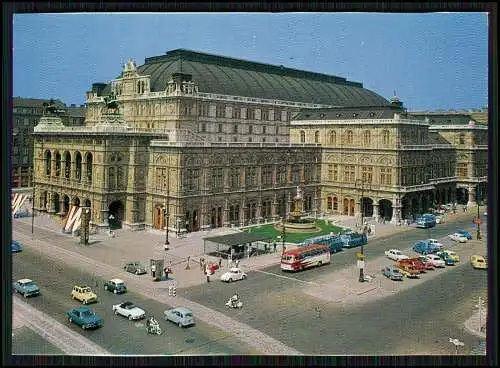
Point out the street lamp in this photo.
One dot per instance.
(167, 214)
(478, 220)
(457, 343)
(178, 227)
(85, 220)
(360, 183)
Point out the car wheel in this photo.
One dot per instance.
(73, 297)
(244, 277)
(320, 264)
(84, 301)
(25, 295)
(230, 280)
(130, 317)
(70, 320)
(137, 272)
(84, 327)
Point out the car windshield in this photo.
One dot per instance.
(128, 305)
(188, 315)
(87, 313)
(86, 290)
(479, 260)
(29, 283)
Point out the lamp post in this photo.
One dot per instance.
(478, 220)
(360, 183)
(283, 234)
(84, 237)
(166, 215)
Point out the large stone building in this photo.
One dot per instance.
(26, 113)
(191, 141)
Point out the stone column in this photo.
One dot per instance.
(51, 206)
(274, 207)
(225, 215)
(472, 196)
(243, 209)
(83, 172)
(396, 211)
(375, 210)
(259, 210)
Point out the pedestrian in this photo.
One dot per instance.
(318, 311)
(153, 270)
(237, 263)
(220, 262)
(266, 246)
(274, 247)
(208, 277)
(201, 264)
(165, 270)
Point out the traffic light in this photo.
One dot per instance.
(172, 291)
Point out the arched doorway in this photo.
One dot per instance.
(346, 207)
(366, 207)
(76, 202)
(351, 207)
(425, 203)
(65, 205)
(462, 195)
(115, 215)
(55, 201)
(405, 208)
(385, 209)
(159, 217)
(194, 221)
(216, 218)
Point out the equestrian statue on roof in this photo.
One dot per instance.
(112, 103)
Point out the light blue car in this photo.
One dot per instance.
(16, 247)
(464, 233)
(180, 316)
(84, 317)
(26, 287)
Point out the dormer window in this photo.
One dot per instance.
(322, 115)
(339, 115)
(354, 115)
(372, 114)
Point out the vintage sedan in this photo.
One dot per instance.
(435, 260)
(84, 294)
(392, 273)
(435, 243)
(427, 262)
(233, 274)
(84, 317)
(395, 255)
(449, 257)
(478, 262)
(465, 233)
(16, 247)
(180, 316)
(129, 310)
(117, 286)
(458, 237)
(26, 287)
(135, 267)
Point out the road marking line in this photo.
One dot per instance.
(286, 277)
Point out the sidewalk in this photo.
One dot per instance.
(477, 325)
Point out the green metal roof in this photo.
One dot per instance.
(224, 75)
(236, 238)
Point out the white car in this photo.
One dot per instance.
(458, 238)
(395, 254)
(233, 274)
(435, 243)
(435, 260)
(129, 310)
(439, 219)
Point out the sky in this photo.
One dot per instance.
(431, 61)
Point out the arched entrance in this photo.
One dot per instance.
(159, 217)
(216, 218)
(115, 215)
(55, 201)
(346, 207)
(76, 202)
(351, 207)
(366, 206)
(65, 204)
(462, 195)
(385, 209)
(405, 208)
(87, 203)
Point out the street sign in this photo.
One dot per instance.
(361, 264)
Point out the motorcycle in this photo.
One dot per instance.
(234, 303)
(153, 328)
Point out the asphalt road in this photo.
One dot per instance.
(118, 335)
(419, 320)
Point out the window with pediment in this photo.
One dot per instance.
(366, 138)
(332, 137)
(302, 136)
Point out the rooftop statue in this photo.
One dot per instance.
(112, 103)
(51, 108)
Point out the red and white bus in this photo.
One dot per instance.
(303, 257)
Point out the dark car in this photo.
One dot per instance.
(135, 267)
(16, 247)
(116, 286)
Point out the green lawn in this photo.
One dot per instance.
(292, 237)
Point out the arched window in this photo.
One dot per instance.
(461, 139)
(349, 137)
(58, 163)
(335, 204)
(366, 138)
(329, 205)
(385, 137)
(89, 167)
(48, 159)
(302, 136)
(78, 168)
(332, 137)
(316, 136)
(67, 165)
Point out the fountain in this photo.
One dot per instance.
(294, 221)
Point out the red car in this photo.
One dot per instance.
(427, 262)
(416, 264)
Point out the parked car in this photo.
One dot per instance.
(395, 254)
(416, 263)
(436, 260)
(465, 233)
(427, 262)
(458, 237)
(234, 274)
(407, 269)
(448, 258)
(117, 286)
(26, 287)
(426, 220)
(392, 273)
(435, 243)
(479, 262)
(84, 317)
(16, 247)
(84, 294)
(181, 316)
(424, 247)
(129, 310)
(135, 267)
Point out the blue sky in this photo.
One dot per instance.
(432, 61)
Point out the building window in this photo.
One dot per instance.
(264, 115)
(251, 176)
(235, 128)
(366, 174)
(330, 173)
(267, 175)
(316, 136)
(219, 112)
(332, 137)
(302, 136)
(283, 115)
(217, 178)
(329, 205)
(250, 129)
(461, 139)
(229, 112)
(295, 174)
(349, 173)
(366, 138)
(235, 139)
(385, 137)
(348, 137)
(161, 179)
(236, 113)
(385, 176)
(257, 114)
(192, 179)
(212, 112)
(272, 116)
(462, 170)
(203, 127)
(234, 179)
(264, 130)
(220, 128)
(282, 179)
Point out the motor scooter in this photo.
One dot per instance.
(231, 303)
(153, 328)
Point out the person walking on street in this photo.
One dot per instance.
(220, 262)
(274, 247)
(201, 264)
(237, 263)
